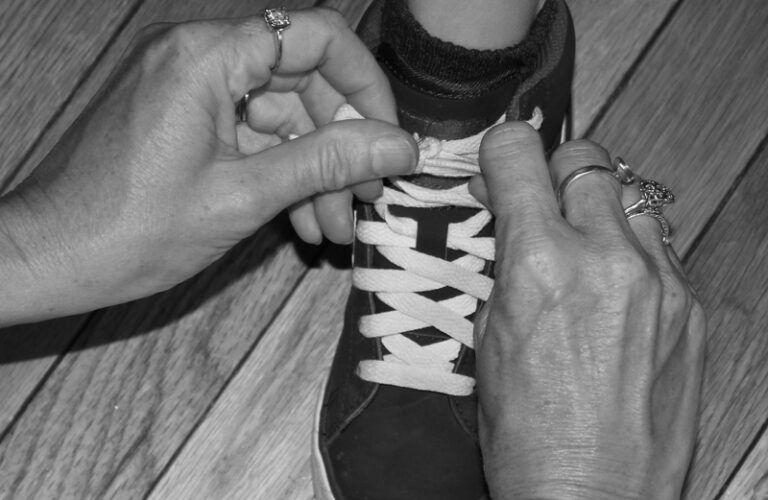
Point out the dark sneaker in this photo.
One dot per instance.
(398, 418)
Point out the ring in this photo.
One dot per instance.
(241, 110)
(623, 172)
(656, 214)
(278, 21)
(653, 196)
(577, 174)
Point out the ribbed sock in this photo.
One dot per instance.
(443, 69)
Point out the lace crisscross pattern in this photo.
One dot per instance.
(409, 364)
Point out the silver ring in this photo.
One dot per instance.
(241, 110)
(656, 214)
(577, 174)
(653, 196)
(278, 21)
(623, 172)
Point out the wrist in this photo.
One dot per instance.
(548, 466)
(32, 263)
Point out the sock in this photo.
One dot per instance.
(439, 81)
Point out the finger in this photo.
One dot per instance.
(333, 157)
(647, 229)
(516, 174)
(302, 217)
(675, 260)
(320, 99)
(479, 189)
(334, 215)
(368, 191)
(317, 39)
(282, 114)
(592, 201)
(251, 142)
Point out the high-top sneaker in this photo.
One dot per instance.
(398, 418)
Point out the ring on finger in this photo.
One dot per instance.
(666, 230)
(578, 174)
(277, 21)
(653, 195)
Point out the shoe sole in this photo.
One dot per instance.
(319, 476)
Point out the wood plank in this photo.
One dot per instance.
(20, 379)
(115, 409)
(255, 441)
(27, 352)
(38, 75)
(266, 259)
(751, 482)
(730, 268)
(611, 36)
(692, 114)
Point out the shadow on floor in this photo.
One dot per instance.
(37, 340)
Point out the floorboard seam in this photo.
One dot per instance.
(725, 199)
(232, 376)
(40, 383)
(55, 117)
(608, 104)
(14, 172)
(763, 429)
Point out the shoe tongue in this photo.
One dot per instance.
(432, 227)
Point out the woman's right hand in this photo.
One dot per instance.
(156, 180)
(590, 349)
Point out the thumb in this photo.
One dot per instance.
(330, 158)
(516, 174)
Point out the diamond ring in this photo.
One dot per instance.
(278, 21)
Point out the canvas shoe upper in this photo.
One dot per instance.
(398, 417)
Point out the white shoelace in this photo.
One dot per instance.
(408, 364)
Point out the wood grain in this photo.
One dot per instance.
(112, 413)
(692, 114)
(255, 442)
(730, 267)
(54, 448)
(27, 352)
(610, 36)
(751, 482)
(47, 47)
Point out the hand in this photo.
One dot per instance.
(590, 348)
(155, 180)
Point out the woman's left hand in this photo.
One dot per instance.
(590, 349)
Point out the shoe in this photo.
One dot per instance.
(398, 416)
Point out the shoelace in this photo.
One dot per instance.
(408, 364)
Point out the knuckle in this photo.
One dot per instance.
(337, 154)
(581, 151)
(179, 47)
(510, 135)
(331, 19)
(628, 269)
(540, 266)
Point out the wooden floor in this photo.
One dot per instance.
(206, 391)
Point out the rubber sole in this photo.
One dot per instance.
(319, 475)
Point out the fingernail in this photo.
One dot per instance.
(394, 154)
